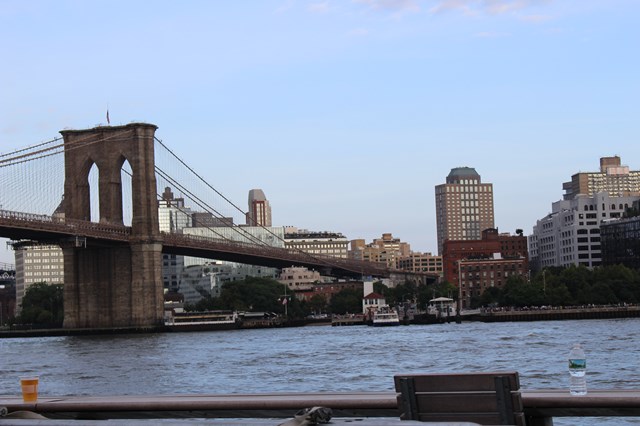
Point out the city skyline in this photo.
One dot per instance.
(348, 114)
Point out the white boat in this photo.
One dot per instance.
(385, 316)
(442, 307)
(202, 321)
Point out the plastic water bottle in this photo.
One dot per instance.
(577, 370)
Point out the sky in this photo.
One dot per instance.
(346, 114)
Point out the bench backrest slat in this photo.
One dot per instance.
(485, 398)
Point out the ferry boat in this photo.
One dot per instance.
(202, 321)
(385, 316)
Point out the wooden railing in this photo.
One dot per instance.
(540, 406)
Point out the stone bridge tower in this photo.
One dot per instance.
(113, 285)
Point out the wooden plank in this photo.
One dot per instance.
(184, 405)
(479, 418)
(461, 402)
(599, 402)
(444, 382)
(486, 398)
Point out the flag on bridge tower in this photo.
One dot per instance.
(285, 300)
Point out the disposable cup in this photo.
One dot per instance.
(29, 387)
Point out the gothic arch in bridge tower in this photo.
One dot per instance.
(115, 208)
(111, 284)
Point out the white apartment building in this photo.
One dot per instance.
(173, 217)
(299, 278)
(37, 264)
(614, 178)
(323, 243)
(570, 234)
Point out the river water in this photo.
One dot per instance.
(323, 358)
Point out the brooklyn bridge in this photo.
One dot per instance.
(113, 268)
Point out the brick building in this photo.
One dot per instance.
(487, 262)
(476, 275)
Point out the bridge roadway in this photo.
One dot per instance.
(53, 230)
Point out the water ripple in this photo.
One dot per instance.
(322, 358)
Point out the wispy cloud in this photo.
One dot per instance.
(491, 7)
(449, 5)
(536, 19)
(490, 34)
(392, 5)
(285, 6)
(358, 32)
(319, 7)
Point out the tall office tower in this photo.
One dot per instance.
(464, 206)
(613, 178)
(173, 217)
(259, 213)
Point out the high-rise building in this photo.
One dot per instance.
(613, 178)
(464, 206)
(37, 264)
(259, 213)
(173, 217)
(570, 234)
(620, 241)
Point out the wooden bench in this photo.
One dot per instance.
(484, 398)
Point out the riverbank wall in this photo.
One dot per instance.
(578, 313)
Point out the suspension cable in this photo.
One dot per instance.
(202, 204)
(56, 139)
(319, 260)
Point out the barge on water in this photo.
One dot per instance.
(203, 321)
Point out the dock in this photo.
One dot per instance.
(344, 320)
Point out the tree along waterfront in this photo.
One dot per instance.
(551, 287)
(554, 286)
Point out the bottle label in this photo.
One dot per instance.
(578, 363)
